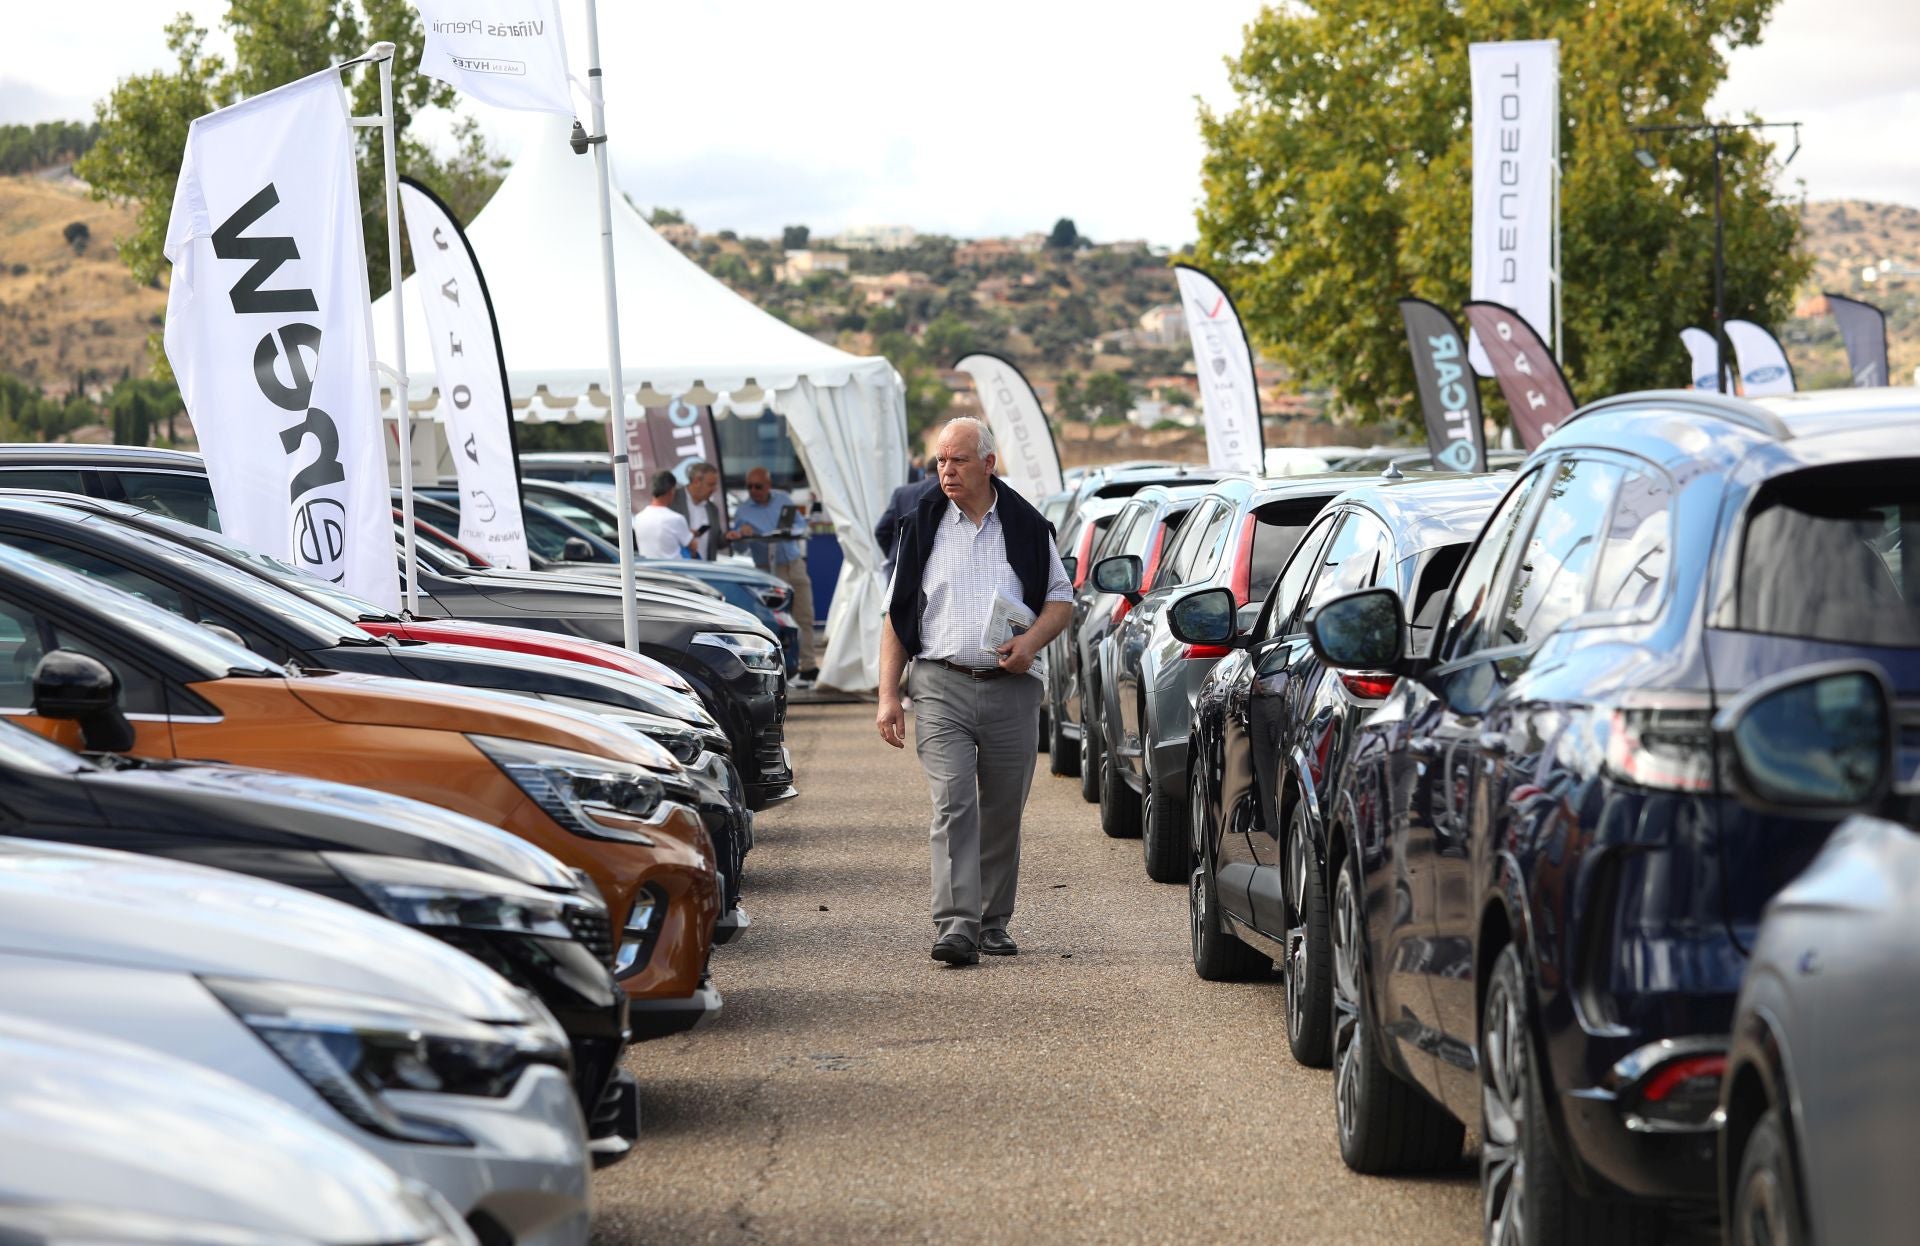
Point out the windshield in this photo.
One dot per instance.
(578, 512)
(1823, 557)
(21, 749)
(285, 574)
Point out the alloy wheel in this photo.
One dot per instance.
(1761, 1221)
(1349, 1035)
(1197, 914)
(1503, 1107)
(1297, 966)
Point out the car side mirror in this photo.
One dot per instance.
(1119, 574)
(82, 689)
(1814, 741)
(1363, 631)
(576, 549)
(1072, 565)
(1203, 618)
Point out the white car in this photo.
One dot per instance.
(408, 1047)
(106, 1142)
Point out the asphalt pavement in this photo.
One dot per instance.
(1090, 1089)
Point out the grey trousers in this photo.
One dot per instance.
(977, 742)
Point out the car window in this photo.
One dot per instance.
(1196, 532)
(178, 495)
(1467, 609)
(1550, 585)
(21, 649)
(95, 567)
(579, 514)
(1824, 556)
(1140, 529)
(1276, 530)
(1283, 603)
(141, 691)
(1359, 556)
(1633, 557)
(1162, 534)
(58, 479)
(1213, 544)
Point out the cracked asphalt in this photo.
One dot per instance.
(1090, 1089)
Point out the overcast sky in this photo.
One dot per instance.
(759, 113)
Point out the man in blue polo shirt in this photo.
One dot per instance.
(760, 514)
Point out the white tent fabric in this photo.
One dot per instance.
(682, 335)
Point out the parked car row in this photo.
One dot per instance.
(381, 898)
(1528, 785)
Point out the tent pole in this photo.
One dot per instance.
(617, 414)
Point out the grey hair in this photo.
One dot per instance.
(699, 468)
(984, 446)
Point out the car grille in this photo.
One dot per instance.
(591, 927)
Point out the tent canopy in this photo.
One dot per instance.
(683, 335)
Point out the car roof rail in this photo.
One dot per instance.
(1734, 410)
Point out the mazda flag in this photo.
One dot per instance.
(1863, 327)
(1762, 360)
(1529, 376)
(1703, 354)
(506, 52)
(1229, 396)
(1516, 145)
(1449, 395)
(1027, 456)
(269, 334)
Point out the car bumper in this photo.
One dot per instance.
(658, 1018)
(1614, 1144)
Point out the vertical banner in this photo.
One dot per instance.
(1027, 455)
(269, 332)
(1763, 361)
(472, 375)
(1516, 132)
(506, 52)
(1863, 327)
(1229, 395)
(1703, 356)
(1529, 376)
(667, 439)
(1449, 395)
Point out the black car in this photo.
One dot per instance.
(1544, 892)
(496, 897)
(1271, 727)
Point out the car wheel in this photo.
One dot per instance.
(1309, 992)
(1525, 1199)
(1163, 836)
(1063, 755)
(1089, 758)
(1119, 807)
(1217, 955)
(1766, 1202)
(1385, 1124)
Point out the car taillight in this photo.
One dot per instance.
(1369, 687)
(1663, 742)
(1205, 651)
(1681, 1095)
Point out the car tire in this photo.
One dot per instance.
(1089, 758)
(1385, 1125)
(1308, 980)
(1163, 834)
(1766, 1200)
(1119, 806)
(1217, 955)
(1063, 755)
(1525, 1198)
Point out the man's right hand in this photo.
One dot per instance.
(892, 720)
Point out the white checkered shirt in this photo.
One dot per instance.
(966, 567)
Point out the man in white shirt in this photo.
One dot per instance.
(661, 531)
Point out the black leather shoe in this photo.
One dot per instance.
(998, 943)
(956, 950)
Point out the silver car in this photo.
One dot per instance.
(409, 1048)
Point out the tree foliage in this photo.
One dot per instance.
(25, 148)
(794, 238)
(1064, 236)
(1341, 181)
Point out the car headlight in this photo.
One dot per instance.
(774, 598)
(427, 894)
(756, 653)
(353, 1049)
(595, 797)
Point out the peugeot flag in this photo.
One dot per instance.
(506, 52)
(1229, 396)
(472, 375)
(1026, 451)
(1529, 376)
(1763, 362)
(1516, 126)
(1449, 395)
(1863, 327)
(1703, 353)
(269, 332)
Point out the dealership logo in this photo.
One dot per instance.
(320, 538)
(1763, 376)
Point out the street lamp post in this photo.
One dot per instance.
(1718, 130)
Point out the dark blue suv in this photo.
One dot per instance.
(1545, 895)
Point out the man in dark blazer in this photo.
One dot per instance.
(899, 506)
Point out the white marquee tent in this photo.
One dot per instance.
(682, 335)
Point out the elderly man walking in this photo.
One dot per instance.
(972, 554)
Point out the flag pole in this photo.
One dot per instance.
(383, 53)
(617, 413)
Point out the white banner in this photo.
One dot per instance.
(467, 365)
(1516, 127)
(1763, 364)
(1704, 354)
(269, 334)
(506, 52)
(1027, 455)
(1229, 396)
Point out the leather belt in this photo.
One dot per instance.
(989, 672)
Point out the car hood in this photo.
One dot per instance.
(569, 648)
(533, 675)
(123, 1130)
(586, 596)
(324, 815)
(89, 904)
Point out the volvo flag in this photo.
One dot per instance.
(1027, 454)
(472, 378)
(1516, 144)
(1449, 395)
(1763, 362)
(1703, 353)
(506, 52)
(1863, 327)
(270, 335)
(1529, 376)
(1229, 396)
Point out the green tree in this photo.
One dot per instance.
(1070, 401)
(1064, 236)
(1108, 398)
(948, 337)
(1340, 182)
(794, 238)
(666, 216)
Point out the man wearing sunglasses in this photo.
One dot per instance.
(784, 556)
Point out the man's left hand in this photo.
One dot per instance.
(1017, 655)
